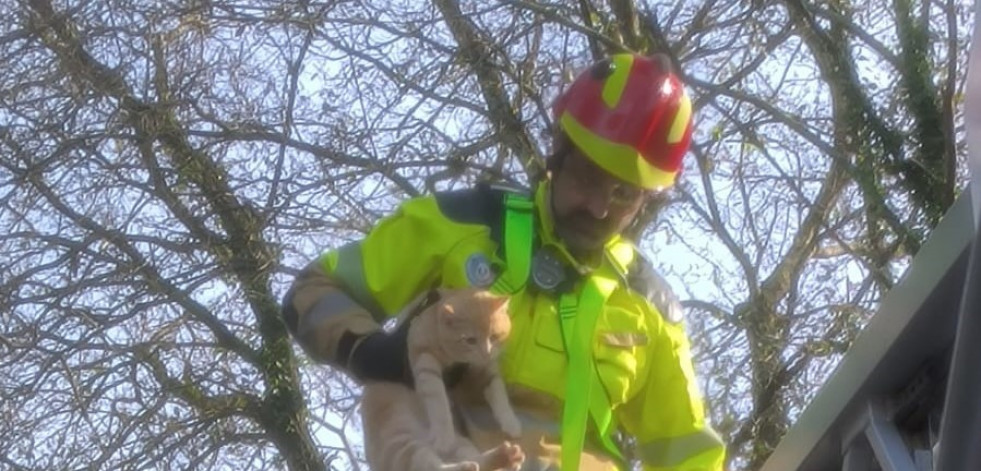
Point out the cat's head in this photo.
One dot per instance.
(473, 324)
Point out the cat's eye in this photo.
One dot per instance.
(470, 340)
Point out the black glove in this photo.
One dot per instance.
(382, 356)
(378, 356)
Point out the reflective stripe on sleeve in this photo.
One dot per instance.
(350, 271)
(674, 451)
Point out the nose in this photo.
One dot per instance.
(598, 204)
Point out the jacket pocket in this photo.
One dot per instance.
(617, 369)
(620, 342)
(543, 361)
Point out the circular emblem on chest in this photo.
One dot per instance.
(478, 269)
(547, 272)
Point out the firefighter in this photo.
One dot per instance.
(598, 348)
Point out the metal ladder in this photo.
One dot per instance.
(907, 395)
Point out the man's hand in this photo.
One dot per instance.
(378, 356)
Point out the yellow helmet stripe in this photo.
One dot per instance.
(616, 83)
(621, 160)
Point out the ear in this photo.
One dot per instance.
(500, 302)
(448, 316)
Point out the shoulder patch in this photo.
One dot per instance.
(483, 204)
(643, 279)
(470, 206)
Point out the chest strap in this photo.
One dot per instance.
(579, 311)
(585, 396)
(519, 234)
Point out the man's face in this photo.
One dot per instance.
(589, 204)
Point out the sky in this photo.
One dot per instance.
(685, 260)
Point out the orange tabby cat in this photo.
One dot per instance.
(412, 429)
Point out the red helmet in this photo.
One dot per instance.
(631, 116)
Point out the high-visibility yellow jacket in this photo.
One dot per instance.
(641, 350)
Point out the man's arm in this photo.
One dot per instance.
(667, 416)
(336, 305)
(328, 324)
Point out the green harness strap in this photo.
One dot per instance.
(519, 231)
(585, 395)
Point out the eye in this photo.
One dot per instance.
(470, 340)
(624, 195)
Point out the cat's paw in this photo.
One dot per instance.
(507, 456)
(513, 455)
(510, 425)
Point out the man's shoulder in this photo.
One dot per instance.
(480, 204)
(644, 279)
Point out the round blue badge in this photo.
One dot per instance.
(478, 270)
(547, 272)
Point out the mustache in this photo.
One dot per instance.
(581, 218)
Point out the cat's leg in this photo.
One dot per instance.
(464, 458)
(425, 459)
(465, 450)
(431, 390)
(497, 398)
(462, 466)
(395, 427)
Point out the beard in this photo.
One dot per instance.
(581, 232)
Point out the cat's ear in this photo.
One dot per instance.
(448, 309)
(448, 315)
(499, 301)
